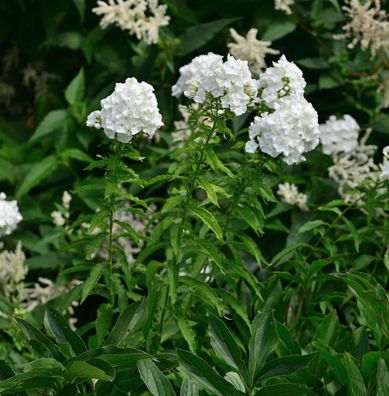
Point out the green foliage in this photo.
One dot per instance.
(177, 269)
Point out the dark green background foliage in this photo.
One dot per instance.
(295, 303)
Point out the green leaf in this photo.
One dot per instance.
(103, 322)
(263, 341)
(354, 233)
(5, 371)
(313, 63)
(187, 331)
(252, 248)
(204, 292)
(189, 388)
(153, 378)
(91, 281)
(283, 390)
(278, 29)
(224, 344)
(200, 372)
(80, 5)
(128, 320)
(197, 36)
(60, 328)
(328, 330)
(356, 385)
(38, 172)
(52, 121)
(310, 225)
(382, 379)
(92, 369)
(74, 92)
(34, 334)
(209, 249)
(215, 163)
(76, 154)
(207, 218)
(283, 366)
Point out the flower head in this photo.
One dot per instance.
(251, 49)
(339, 135)
(291, 130)
(291, 195)
(142, 18)
(229, 82)
(281, 80)
(369, 25)
(12, 268)
(132, 108)
(9, 215)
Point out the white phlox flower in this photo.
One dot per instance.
(132, 108)
(251, 49)
(291, 130)
(288, 123)
(9, 215)
(283, 79)
(339, 135)
(141, 18)
(229, 82)
(290, 194)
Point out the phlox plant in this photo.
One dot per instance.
(210, 235)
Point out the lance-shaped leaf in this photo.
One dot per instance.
(154, 379)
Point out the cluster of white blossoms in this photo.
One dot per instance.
(12, 270)
(9, 215)
(59, 217)
(251, 49)
(142, 18)
(385, 164)
(229, 82)
(284, 5)
(290, 194)
(132, 108)
(289, 124)
(339, 135)
(350, 169)
(369, 25)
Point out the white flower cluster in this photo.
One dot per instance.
(9, 215)
(284, 5)
(369, 25)
(12, 269)
(290, 194)
(385, 165)
(229, 82)
(59, 216)
(350, 169)
(131, 108)
(142, 18)
(289, 127)
(251, 49)
(281, 80)
(339, 135)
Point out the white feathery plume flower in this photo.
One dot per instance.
(290, 194)
(283, 79)
(66, 199)
(350, 169)
(142, 18)
(369, 25)
(384, 175)
(284, 5)
(9, 215)
(132, 108)
(251, 49)
(229, 82)
(291, 130)
(59, 216)
(12, 267)
(339, 135)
